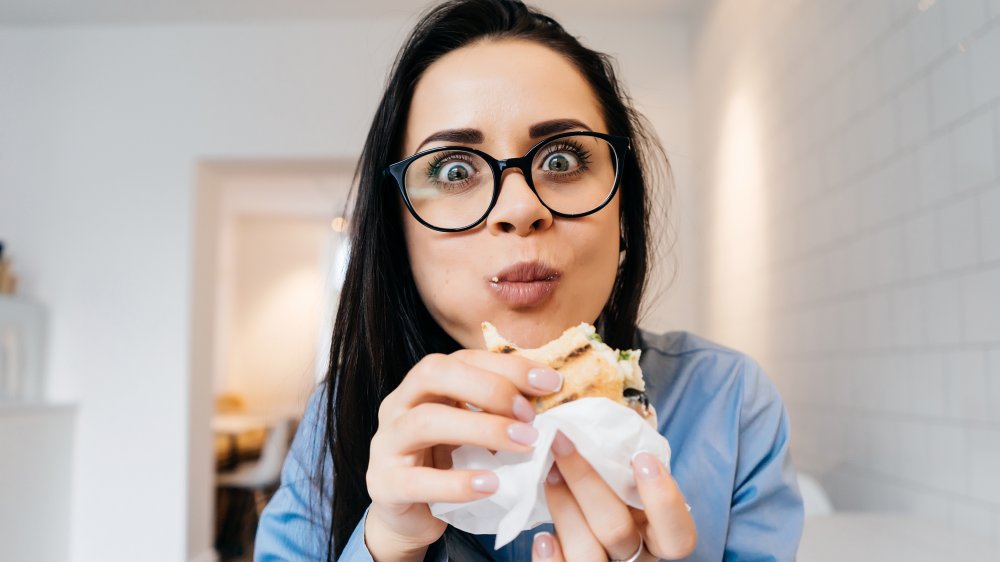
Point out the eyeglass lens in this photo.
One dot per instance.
(453, 188)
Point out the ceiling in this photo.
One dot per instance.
(42, 12)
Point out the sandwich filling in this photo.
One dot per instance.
(588, 365)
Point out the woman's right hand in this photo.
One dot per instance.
(423, 420)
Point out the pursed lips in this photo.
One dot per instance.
(525, 284)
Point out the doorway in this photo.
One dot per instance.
(267, 245)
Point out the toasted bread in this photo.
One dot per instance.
(590, 368)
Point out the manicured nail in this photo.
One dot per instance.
(545, 379)
(554, 477)
(486, 483)
(561, 445)
(522, 433)
(545, 545)
(523, 410)
(646, 465)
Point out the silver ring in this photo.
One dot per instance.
(635, 556)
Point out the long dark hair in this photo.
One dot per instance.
(382, 327)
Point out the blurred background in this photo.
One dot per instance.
(173, 181)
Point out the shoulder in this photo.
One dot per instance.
(313, 421)
(683, 363)
(681, 350)
(309, 440)
(315, 411)
(678, 343)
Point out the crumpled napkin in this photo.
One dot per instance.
(604, 432)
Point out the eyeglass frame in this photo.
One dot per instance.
(620, 144)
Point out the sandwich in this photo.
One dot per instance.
(590, 368)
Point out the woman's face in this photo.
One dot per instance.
(501, 89)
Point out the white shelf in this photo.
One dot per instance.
(37, 442)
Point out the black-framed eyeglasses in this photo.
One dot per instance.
(454, 188)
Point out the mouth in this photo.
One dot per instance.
(525, 284)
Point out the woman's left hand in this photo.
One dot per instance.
(594, 524)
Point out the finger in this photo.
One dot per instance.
(430, 424)
(606, 514)
(440, 378)
(670, 531)
(578, 542)
(545, 548)
(530, 377)
(424, 485)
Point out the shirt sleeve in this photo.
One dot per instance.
(766, 515)
(295, 524)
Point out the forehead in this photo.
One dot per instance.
(500, 88)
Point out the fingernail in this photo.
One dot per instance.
(646, 465)
(545, 379)
(561, 445)
(545, 545)
(522, 433)
(523, 410)
(486, 483)
(554, 477)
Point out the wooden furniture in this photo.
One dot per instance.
(242, 434)
(243, 489)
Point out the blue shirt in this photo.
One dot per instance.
(728, 432)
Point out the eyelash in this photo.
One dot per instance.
(576, 149)
(582, 155)
(435, 165)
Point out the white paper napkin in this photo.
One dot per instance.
(604, 432)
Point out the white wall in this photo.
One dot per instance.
(654, 58)
(103, 131)
(103, 127)
(851, 203)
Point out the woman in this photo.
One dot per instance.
(448, 234)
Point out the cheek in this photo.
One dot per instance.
(596, 255)
(422, 254)
(605, 245)
(439, 265)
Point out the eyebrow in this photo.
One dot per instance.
(475, 136)
(546, 128)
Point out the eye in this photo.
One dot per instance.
(560, 162)
(454, 172)
(451, 168)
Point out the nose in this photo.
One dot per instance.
(518, 209)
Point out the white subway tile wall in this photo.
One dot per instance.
(989, 227)
(958, 241)
(877, 127)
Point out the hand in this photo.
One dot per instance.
(423, 420)
(594, 524)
